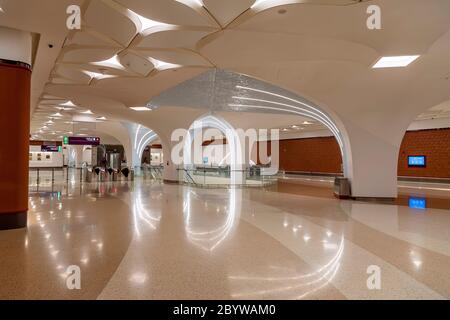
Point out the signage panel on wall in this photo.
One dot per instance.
(84, 141)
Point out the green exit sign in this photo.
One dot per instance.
(66, 140)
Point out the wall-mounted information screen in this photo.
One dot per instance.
(417, 203)
(417, 161)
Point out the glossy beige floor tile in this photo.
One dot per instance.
(145, 240)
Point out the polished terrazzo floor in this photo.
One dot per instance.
(146, 240)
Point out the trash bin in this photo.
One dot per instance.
(342, 188)
(88, 175)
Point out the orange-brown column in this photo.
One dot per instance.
(15, 80)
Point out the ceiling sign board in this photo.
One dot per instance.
(84, 141)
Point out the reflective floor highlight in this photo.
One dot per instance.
(146, 240)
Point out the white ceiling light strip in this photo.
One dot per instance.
(136, 136)
(318, 115)
(142, 139)
(290, 99)
(312, 113)
(315, 117)
(154, 136)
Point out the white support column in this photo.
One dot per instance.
(372, 165)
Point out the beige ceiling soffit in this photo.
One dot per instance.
(200, 55)
(176, 50)
(270, 4)
(141, 37)
(201, 10)
(35, 39)
(208, 39)
(211, 7)
(145, 53)
(156, 72)
(96, 35)
(75, 47)
(131, 73)
(125, 12)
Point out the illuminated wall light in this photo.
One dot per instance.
(395, 62)
(87, 112)
(56, 115)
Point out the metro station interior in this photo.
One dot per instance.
(225, 150)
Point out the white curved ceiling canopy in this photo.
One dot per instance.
(128, 51)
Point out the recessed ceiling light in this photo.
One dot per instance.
(98, 76)
(257, 3)
(63, 109)
(395, 61)
(68, 104)
(141, 109)
(111, 63)
(101, 118)
(162, 65)
(148, 23)
(307, 123)
(191, 2)
(87, 112)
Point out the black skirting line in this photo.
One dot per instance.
(15, 220)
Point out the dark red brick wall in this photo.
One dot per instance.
(322, 154)
(435, 145)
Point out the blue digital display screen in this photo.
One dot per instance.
(417, 161)
(417, 203)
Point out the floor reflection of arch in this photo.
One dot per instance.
(143, 218)
(300, 286)
(216, 122)
(210, 239)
